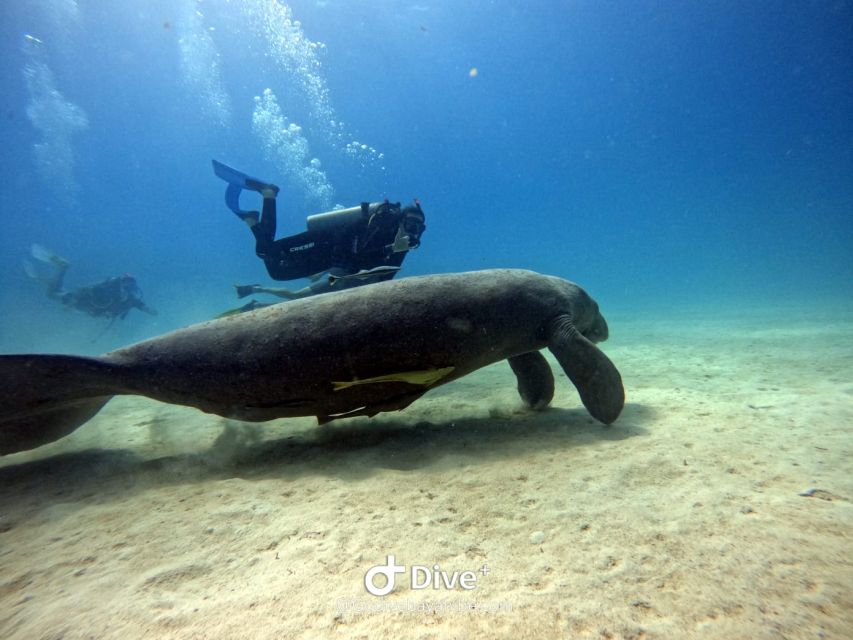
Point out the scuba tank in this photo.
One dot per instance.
(335, 220)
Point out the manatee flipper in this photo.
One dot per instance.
(535, 379)
(597, 380)
(46, 397)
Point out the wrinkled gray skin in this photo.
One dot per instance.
(281, 361)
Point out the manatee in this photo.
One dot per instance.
(355, 352)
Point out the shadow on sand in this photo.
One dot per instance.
(350, 451)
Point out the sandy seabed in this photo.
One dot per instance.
(717, 506)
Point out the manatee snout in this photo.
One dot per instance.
(598, 332)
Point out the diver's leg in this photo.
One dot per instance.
(56, 281)
(264, 229)
(319, 286)
(287, 294)
(268, 211)
(139, 304)
(324, 284)
(304, 292)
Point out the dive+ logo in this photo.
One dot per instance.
(420, 577)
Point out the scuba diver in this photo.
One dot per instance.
(113, 298)
(341, 249)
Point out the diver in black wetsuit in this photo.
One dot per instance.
(353, 246)
(113, 298)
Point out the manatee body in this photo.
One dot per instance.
(355, 352)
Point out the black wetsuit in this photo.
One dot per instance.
(112, 298)
(362, 244)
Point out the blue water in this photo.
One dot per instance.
(664, 155)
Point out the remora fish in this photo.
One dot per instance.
(365, 274)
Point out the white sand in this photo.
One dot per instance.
(682, 520)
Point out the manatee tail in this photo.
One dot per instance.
(46, 397)
(597, 380)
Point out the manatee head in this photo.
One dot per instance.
(583, 310)
(597, 331)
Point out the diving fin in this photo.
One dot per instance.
(39, 268)
(43, 254)
(244, 290)
(229, 174)
(237, 181)
(30, 268)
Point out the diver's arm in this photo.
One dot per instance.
(137, 303)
